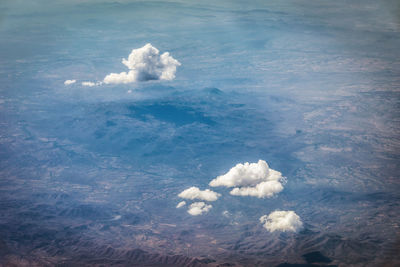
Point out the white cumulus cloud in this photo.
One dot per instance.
(181, 204)
(195, 193)
(251, 179)
(198, 208)
(261, 190)
(145, 64)
(68, 82)
(282, 221)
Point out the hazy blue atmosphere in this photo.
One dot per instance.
(90, 175)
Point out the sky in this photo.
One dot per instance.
(198, 133)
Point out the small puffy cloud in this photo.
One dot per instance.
(181, 204)
(145, 64)
(198, 208)
(91, 84)
(251, 179)
(195, 193)
(282, 221)
(68, 82)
